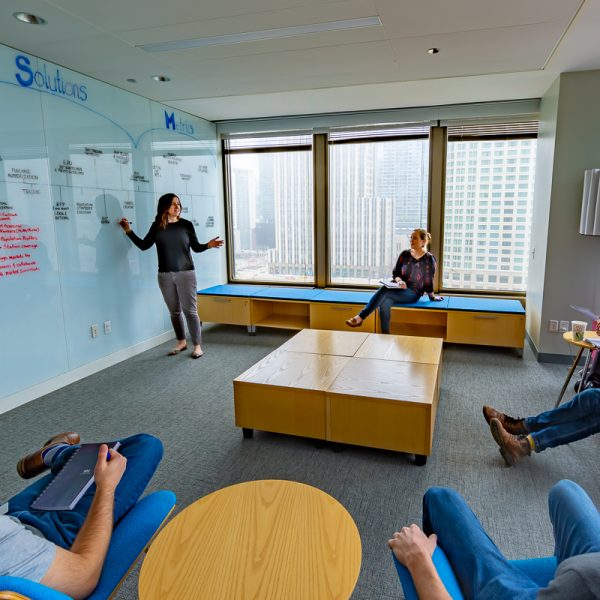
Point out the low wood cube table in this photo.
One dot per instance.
(368, 389)
(266, 539)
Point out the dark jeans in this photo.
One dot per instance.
(383, 299)
(572, 421)
(143, 453)
(480, 568)
(179, 292)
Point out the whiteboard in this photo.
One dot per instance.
(76, 155)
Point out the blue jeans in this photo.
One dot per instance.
(480, 568)
(143, 453)
(572, 421)
(383, 299)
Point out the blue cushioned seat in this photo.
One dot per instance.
(496, 305)
(286, 293)
(540, 570)
(235, 289)
(130, 538)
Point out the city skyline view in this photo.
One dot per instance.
(378, 193)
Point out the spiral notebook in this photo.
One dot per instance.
(66, 489)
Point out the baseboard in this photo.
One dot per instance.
(41, 389)
(548, 357)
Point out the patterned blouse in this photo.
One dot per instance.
(416, 273)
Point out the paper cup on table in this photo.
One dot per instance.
(578, 328)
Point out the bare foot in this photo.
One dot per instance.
(355, 321)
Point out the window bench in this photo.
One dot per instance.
(457, 319)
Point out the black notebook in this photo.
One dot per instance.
(73, 480)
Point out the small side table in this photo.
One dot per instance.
(583, 345)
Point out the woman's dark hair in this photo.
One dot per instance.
(164, 203)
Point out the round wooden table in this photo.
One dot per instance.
(263, 540)
(582, 345)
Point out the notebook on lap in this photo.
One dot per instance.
(73, 480)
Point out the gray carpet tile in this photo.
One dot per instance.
(189, 405)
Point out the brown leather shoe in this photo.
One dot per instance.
(512, 447)
(33, 464)
(354, 322)
(513, 425)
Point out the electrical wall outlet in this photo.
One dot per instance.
(564, 326)
(94, 330)
(107, 327)
(553, 326)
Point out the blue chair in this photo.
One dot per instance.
(541, 570)
(131, 537)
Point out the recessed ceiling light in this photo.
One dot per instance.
(131, 80)
(267, 34)
(29, 18)
(161, 78)
(433, 50)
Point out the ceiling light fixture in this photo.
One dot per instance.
(131, 80)
(267, 34)
(29, 18)
(433, 50)
(161, 78)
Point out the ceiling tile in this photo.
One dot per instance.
(427, 17)
(279, 71)
(477, 52)
(139, 14)
(96, 53)
(60, 25)
(306, 42)
(273, 19)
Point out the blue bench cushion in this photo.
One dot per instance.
(234, 289)
(286, 293)
(425, 302)
(461, 303)
(343, 297)
(495, 305)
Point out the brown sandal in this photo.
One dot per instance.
(353, 322)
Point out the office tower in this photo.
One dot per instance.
(487, 220)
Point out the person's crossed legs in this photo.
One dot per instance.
(480, 568)
(143, 453)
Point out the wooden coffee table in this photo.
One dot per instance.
(359, 388)
(260, 539)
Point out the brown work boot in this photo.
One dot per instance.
(33, 464)
(513, 425)
(512, 447)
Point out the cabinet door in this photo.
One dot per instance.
(224, 309)
(486, 329)
(333, 317)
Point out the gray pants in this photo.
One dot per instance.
(179, 292)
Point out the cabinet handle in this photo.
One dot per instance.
(489, 317)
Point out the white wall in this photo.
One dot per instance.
(571, 266)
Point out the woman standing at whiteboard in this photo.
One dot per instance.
(174, 238)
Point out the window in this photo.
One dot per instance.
(378, 194)
(370, 191)
(514, 140)
(271, 208)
